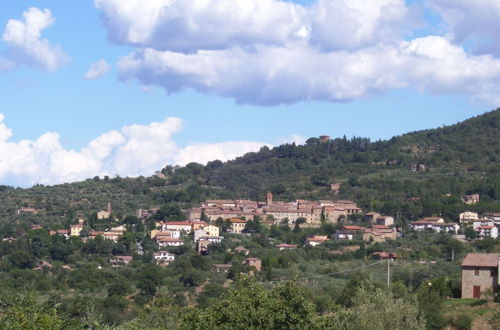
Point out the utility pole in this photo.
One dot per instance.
(388, 272)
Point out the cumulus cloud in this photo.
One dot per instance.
(25, 42)
(97, 70)
(134, 150)
(272, 75)
(354, 24)
(477, 20)
(187, 26)
(270, 52)
(203, 153)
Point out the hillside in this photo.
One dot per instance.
(457, 159)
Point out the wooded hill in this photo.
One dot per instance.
(380, 176)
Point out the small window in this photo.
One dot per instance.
(476, 271)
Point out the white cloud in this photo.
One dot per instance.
(477, 21)
(132, 151)
(203, 153)
(97, 70)
(354, 24)
(186, 26)
(272, 75)
(191, 25)
(271, 52)
(26, 45)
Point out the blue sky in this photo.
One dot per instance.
(227, 78)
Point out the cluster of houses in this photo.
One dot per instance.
(314, 212)
(486, 226)
(113, 233)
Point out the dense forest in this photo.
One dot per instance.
(50, 282)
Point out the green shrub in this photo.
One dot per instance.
(463, 322)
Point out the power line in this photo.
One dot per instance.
(328, 274)
(413, 270)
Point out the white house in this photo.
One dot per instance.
(163, 257)
(482, 222)
(168, 241)
(435, 224)
(181, 226)
(468, 216)
(487, 231)
(208, 231)
(212, 239)
(343, 235)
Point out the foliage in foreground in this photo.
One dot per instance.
(251, 306)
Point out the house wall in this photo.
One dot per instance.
(484, 280)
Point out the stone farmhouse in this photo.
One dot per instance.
(479, 274)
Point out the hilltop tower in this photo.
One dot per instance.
(269, 198)
(324, 138)
(109, 209)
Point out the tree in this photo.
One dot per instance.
(23, 312)
(170, 212)
(470, 233)
(283, 307)
(376, 309)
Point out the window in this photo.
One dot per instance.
(494, 272)
(476, 271)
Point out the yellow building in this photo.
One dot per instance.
(212, 230)
(75, 230)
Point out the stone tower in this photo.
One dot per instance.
(269, 198)
(109, 209)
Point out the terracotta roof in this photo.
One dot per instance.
(486, 227)
(317, 238)
(290, 246)
(168, 239)
(353, 228)
(236, 220)
(177, 223)
(481, 260)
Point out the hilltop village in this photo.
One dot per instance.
(207, 225)
(213, 244)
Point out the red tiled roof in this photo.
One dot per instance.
(286, 246)
(353, 228)
(178, 223)
(481, 260)
(236, 220)
(168, 239)
(486, 227)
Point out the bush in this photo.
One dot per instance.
(463, 322)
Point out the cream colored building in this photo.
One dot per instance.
(212, 230)
(103, 215)
(237, 225)
(75, 230)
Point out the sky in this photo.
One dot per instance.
(124, 87)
